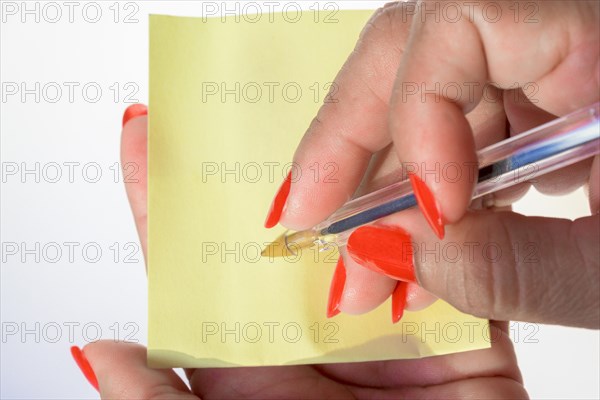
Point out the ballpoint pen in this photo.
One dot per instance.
(546, 148)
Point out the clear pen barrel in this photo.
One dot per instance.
(554, 145)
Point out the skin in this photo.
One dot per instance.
(560, 286)
(555, 65)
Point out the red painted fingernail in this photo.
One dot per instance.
(84, 366)
(398, 301)
(427, 204)
(383, 249)
(278, 202)
(336, 289)
(133, 111)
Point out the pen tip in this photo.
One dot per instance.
(290, 244)
(278, 248)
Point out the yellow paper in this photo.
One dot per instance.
(218, 150)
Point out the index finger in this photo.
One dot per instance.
(341, 139)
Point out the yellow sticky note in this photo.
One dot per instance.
(229, 102)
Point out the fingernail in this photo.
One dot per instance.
(84, 366)
(427, 204)
(387, 250)
(133, 111)
(278, 202)
(336, 289)
(398, 301)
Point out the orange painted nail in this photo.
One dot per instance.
(84, 366)
(134, 111)
(336, 289)
(279, 202)
(428, 205)
(398, 301)
(383, 249)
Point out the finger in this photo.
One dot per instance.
(487, 121)
(289, 382)
(481, 388)
(523, 115)
(364, 289)
(505, 197)
(134, 140)
(429, 128)
(418, 298)
(121, 371)
(345, 133)
(565, 180)
(356, 290)
(430, 132)
(500, 265)
(499, 360)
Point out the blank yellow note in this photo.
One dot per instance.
(229, 102)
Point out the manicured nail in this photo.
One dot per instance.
(336, 289)
(133, 111)
(387, 250)
(84, 366)
(398, 301)
(427, 204)
(278, 202)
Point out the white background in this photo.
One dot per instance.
(53, 305)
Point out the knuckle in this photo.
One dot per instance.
(485, 282)
(473, 288)
(389, 17)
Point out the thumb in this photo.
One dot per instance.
(521, 268)
(502, 265)
(118, 370)
(134, 161)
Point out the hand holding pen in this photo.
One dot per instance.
(558, 55)
(434, 125)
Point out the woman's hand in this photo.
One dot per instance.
(119, 369)
(434, 83)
